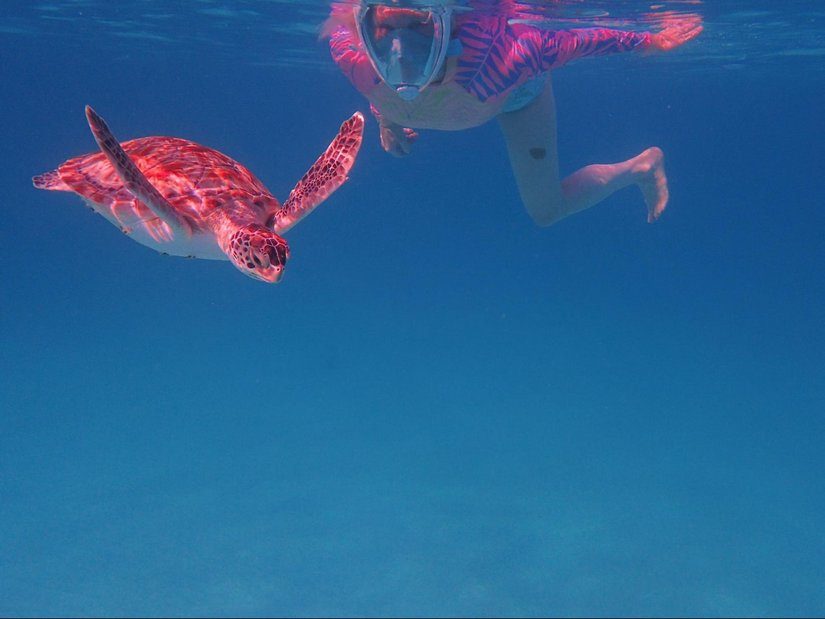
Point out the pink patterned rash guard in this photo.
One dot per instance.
(496, 57)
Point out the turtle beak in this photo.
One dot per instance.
(270, 275)
(277, 275)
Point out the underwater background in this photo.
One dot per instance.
(442, 408)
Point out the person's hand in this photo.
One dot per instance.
(677, 31)
(397, 140)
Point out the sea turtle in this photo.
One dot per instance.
(184, 199)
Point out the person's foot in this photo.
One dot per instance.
(650, 169)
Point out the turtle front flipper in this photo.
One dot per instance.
(133, 179)
(326, 175)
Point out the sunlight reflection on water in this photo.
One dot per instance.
(738, 34)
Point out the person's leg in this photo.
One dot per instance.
(530, 134)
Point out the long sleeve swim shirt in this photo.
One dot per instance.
(496, 56)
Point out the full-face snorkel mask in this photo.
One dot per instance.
(406, 47)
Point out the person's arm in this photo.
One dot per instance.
(498, 55)
(561, 46)
(566, 45)
(349, 55)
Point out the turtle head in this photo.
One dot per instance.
(258, 252)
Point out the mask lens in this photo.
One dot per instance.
(407, 47)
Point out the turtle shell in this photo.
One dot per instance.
(196, 180)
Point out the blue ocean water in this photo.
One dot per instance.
(442, 409)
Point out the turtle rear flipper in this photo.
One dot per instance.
(50, 181)
(326, 175)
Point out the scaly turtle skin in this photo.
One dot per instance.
(184, 199)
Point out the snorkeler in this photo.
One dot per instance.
(451, 68)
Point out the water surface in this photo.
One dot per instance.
(442, 409)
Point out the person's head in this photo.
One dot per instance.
(407, 47)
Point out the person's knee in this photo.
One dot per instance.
(544, 215)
